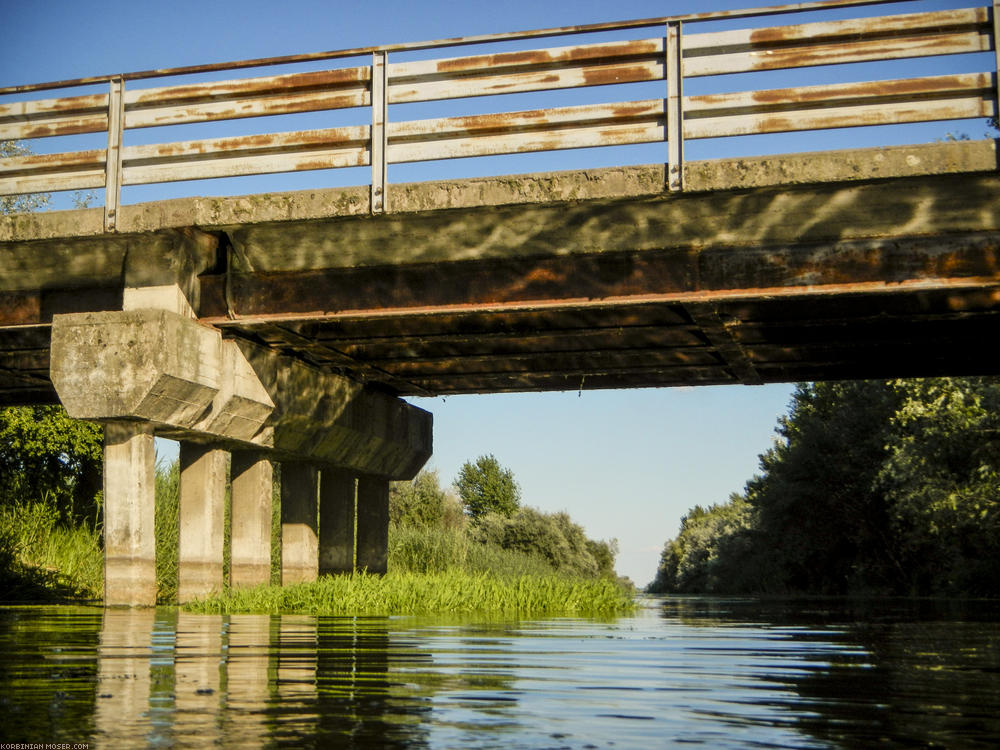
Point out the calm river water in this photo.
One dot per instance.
(683, 671)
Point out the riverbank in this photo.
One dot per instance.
(448, 592)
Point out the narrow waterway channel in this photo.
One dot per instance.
(694, 671)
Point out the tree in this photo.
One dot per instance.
(487, 487)
(821, 521)
(875, 486)
(45, 453)
(941, 480)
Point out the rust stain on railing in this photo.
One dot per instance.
(677, 53)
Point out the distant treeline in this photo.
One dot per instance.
(873, 487)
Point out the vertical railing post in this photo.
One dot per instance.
(674, 73)
(379, 139)
(113, 156)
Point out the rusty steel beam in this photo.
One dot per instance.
(681, 276)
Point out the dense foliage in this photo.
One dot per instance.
(429, 532)
(45, 454)
(873, 487)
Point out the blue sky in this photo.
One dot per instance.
(625, 464)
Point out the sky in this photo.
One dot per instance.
(625, 464)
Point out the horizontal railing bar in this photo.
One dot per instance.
(244, 165)
(264, 106)
(877, 50)
(836, 95)
(453, 42)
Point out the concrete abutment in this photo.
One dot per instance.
(146, 371)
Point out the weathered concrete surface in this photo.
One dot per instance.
(250, 557)
(299, 525)
(762, 218)
(129, 503)
(373, 525)
(336, 522)
(201, 528)
(60, 250)
(571, 186)
(166, 369)
(338, 421)
(141, 364)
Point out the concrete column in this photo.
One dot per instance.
(336, 522)
(202, 510)
(129, 501)
(299, 540)
(373, 524)
(251, 479)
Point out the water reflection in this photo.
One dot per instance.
(708, 672)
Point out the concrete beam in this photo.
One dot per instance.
(299, 523)
(202, 510)
(129, 503)
(250, 520)
(373, 525)
(336, 421)
(336, 522)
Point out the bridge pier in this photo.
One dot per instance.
(201, 507)
(129, 503)
(373, 524)
(146, 371)
(337, 495)
(250, 519)
(299, 523)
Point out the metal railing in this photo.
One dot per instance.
(673, 55)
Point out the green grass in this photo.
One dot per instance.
(451, 592)
(44, 560)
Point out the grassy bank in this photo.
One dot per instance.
(450, 592)
(43, 560)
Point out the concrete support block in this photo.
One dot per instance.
(373, 524)
(129, 501)
(251, 480)
(299, 539)
(336, 522)
(158, 366)
(141, 364)
(202, 509)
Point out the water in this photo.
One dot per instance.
(704, 672)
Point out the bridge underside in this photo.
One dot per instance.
(879, 263)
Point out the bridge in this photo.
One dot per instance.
(285, 327)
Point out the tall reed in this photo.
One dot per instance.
(450, 592)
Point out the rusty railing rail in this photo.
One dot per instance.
(672, 55)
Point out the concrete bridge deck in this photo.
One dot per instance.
(865, 263)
